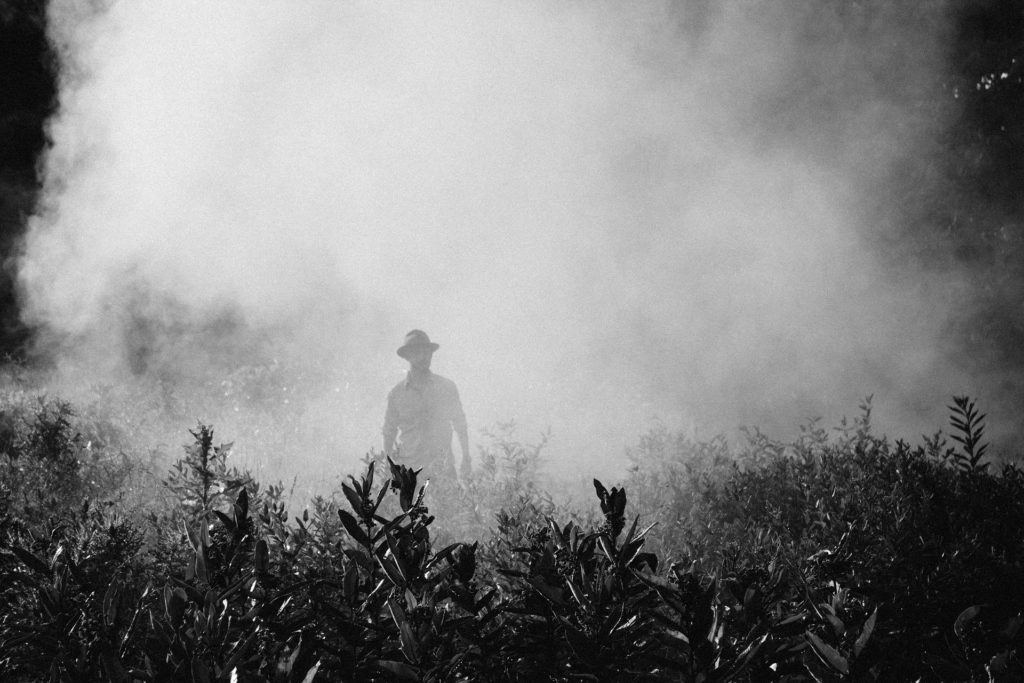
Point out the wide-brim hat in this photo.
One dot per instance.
(415, 339)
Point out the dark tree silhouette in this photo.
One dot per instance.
(27, 98)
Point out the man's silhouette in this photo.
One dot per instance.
(423, 411)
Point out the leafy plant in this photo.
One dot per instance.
(969, 424)
(837, 556)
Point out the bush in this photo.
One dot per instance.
(921, 534)
(839, 556)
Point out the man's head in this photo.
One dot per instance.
(418, 349)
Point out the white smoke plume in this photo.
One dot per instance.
(604, 212)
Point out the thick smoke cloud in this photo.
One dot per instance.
(604, 212)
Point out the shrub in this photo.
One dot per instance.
(838, 556)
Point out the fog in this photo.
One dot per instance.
(607, 214)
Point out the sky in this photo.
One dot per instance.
(609, 216)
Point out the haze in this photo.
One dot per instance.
(607, 214)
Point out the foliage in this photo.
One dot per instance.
(970, 433)
(201, 481)
(839, 556)
(919, 534)
(51, 462)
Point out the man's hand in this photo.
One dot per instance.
(465, 471)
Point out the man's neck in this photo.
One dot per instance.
(419, 375)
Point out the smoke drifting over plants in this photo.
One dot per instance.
(603, 212)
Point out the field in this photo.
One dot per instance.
(837, 556)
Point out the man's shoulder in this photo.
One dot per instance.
(439, 383)
(444, 382)
(395, 389)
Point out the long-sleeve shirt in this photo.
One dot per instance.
(422, 414)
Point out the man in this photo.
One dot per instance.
(422, 412)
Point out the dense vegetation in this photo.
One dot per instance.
(839, 556)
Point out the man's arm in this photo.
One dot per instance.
(390, 430)
(389, 444)
(458, 417)
(466, 468)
